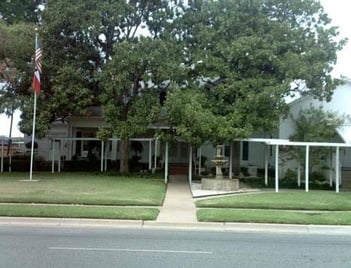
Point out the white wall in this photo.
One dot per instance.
(57, 130)
(340, 103)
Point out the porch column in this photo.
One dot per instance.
(299, 176)
(115, 152)
(53, 156)
(330, 171)
(200, 162)
(155, 156)
(231, 161)
(59, 158)
(166, 162)
(150, 154)
(2, 154)
(71, 148)
(266, 165)
(102, 157)
(190, 163)
(106, 152)
(307, 163)
(276, 168)
(337, 169)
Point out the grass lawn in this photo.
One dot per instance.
(316, 207)
(300, 200)
(72, 211)
(81, 188)
(273, 216)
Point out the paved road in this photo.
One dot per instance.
(115, 247)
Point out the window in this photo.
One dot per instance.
(227, 150)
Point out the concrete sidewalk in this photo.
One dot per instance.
(179, 212)
(178, 206)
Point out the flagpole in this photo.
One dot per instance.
(34, 117)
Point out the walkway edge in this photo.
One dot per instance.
(200, 226)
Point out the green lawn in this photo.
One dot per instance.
(300, 200)
(81, 188)
(273, 216)
(72, 211)
(314, 207)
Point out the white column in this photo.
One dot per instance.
(106, 154)
(166, 162)
(299, 176)
(155, 156)
(53, 156)
(116, 153)
(59, 158)
(331, 171)
(276, 168)
(150, 154)
(102, 157)
(71, 147)
(337, 169)
(200, 162)
(2, 154)
(231, 161)
(190, 164)
(307, 163)
(266, 165)
(340, 174)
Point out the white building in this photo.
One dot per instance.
(340, 104)
(75, 139)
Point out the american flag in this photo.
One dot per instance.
(37, 73)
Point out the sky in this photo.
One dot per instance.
(338, 11)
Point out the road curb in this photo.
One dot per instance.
(70, 222)
(200, 226)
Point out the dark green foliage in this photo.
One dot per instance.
(230, 62)
(315, 125)
(16, 51)
(244, 57)
(15, 11)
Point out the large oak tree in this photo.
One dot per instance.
(245, 57)
(226, 66)
(114, 54)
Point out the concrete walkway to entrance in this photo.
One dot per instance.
(178, 206)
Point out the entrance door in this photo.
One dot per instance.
(179, 152)
(85, 148)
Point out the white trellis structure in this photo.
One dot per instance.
(284, 142)
(154, 143)
(307, 146)
(15, 141)
(103, 155)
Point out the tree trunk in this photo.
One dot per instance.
(124, 156)
(236, 158)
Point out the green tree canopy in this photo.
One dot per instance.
(15, 11)
(16, 51)
(106, 53)
(231, 62)
(315, 125)
(247, 56)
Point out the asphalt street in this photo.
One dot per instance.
(28, 246)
